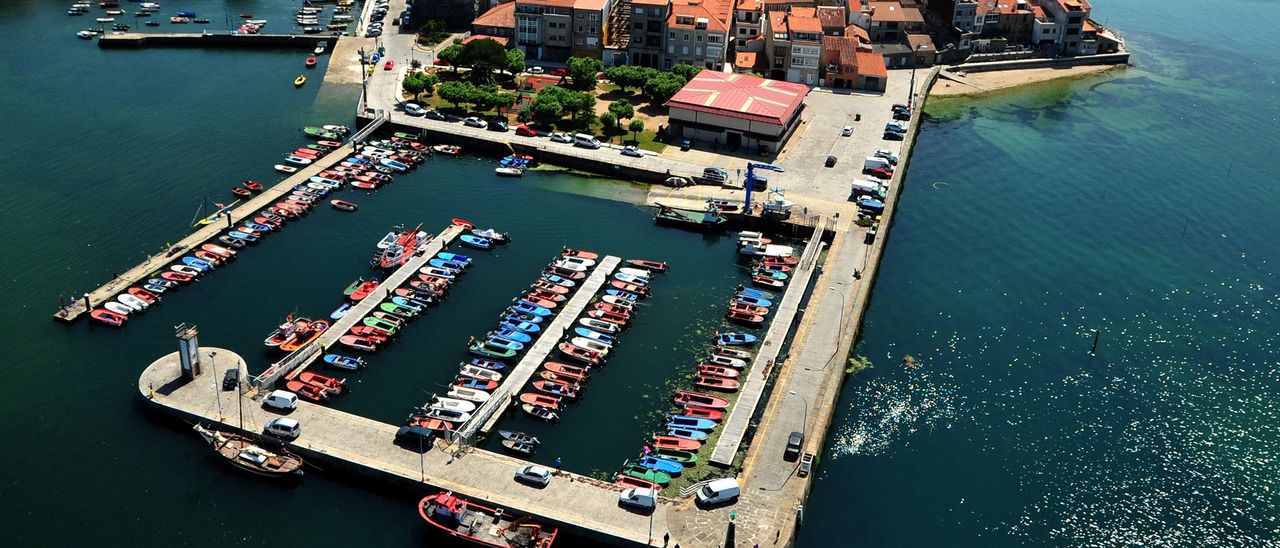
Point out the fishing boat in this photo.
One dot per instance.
(707, 219)
(508, 171)
(320, 133)
(454, 257)
(628, 482)
(286, 331)
(640, 290)
(461, 406)
(198, 264)
(637, 272)
(329, 384)
(631, 278)
(300, 80)
(519, 447)
(473, 383)
(696, 435)
(108, 317)
(540, 400)
(360, 288)
(304, 336)
(143, 294)
(492, 235)
(401, 249)
(574, 372)
(492, 365)
(547, 286)
(570, 266)
(560, 379)
(726, 361)
(717, 371)
(356, 342)
(484, 526)
(343, 362)
(540, 412)
(743, 317)
(621, 295)
(609, 317)
(579, 354)
(595, 336)
(494, 342)
(131, 301)
(703, 413)
(673, 442)
(769, 282)
(479, 373)
(511, 333)
(647, 474)
(297, 160)
(687, 397)
(586, 343)
(717, 383)
(469, 394)
(525, 307)
(445, 414)
(245, 454)
(655, 266)
(285, 169)
(623, 311)
(179, 277)
(771, 274)
(749, 292)
(343, 205)
(556, 389)
(475, 241)
(447, 150)
(692, 423)
(660, 464)
(622, 302)
(735, 339)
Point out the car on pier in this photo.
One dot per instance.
(719, 491)
(632, 151)
(281, 400)
(537, 475)
(559, 71)
(414, 109)
(888, 155)
(558, 137)
(525, 131)
(893, 136)
(536, 70)
(497, 125)
(434, 114)
(639, 497)
(475, 122)
(283, 427)
(794, 443)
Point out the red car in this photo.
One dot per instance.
(559, 71)
(526, 131)
(391, 63)
(881, 173)
(440, 63)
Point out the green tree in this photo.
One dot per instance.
(662, 87)
(583, 71)
(626, 76)
(636, 126)
(503, 100)
(622, 109)
(609, 121)
(450, 55)
(515, 61)
(483, 56)
(459, 93)
(686, 70)
(525, 115)
(430, 79)
(546, 109)
(413, 83)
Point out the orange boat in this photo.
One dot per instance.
(611, 308)
(744, 317)
(565, 370)
(686, 398)
(628, 482)
(306, 391)
(580, 253)
(286, 330)
(703, 413)
(718, 371)
(547, 295)
(323, 382)
(358, 289)
(717, 383)
(550, 402)
(304, 336)
(589, 357)
(745, 308)
(608, 317)
(633, 288)
(571, 382)
(672, 442)
(544, 303)
(546, 286)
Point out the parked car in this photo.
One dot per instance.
(718, 491)
(390, 64)
(525, 131)
(895, 126)
(639, 497)
(872, 162)
(831, 161)
(902, 115)
(534, 474)
(282, 400)
(686, 144)
(536, 70)
(373, 33)
(882, 173)
(559, 71)
(230, 379)
(715, 174)
(414, 109)
(415, 437)
(632, 151)
(847, 131)
(893, 136)
(440, 63)
(794, 442)
(475, 122)
(435, 115)
(283, 427)
(561, 137)
(887, 154)
(586, 140)
(496, 125)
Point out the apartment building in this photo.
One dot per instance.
(590, 27)
(1069, 17)
(498, 22)
(1057, 25)
(666, 33)
(746, 19)
(648, 32)
(793, 43)
(891, 21)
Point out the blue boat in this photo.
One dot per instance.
(340, 312)
(345, 362)
(513, 315)
(503, 342)
(687, 434)
(242, 236)
(669, 466)
(530, 308)
(757, 301)
(735, 339)
(622, 294)
(258, 227)
(199, 264)
(468, 382)
(475, 241)
(462, 259)
(870, 204)
(354, 160)
(492, 365)
(749, 292)
(584, 332)
(186, 14)
(565, 282)
(400, 167)
(692, 423)
(157, 289)
(512, 333)
(771, 274)
(331, 183)
(516, 324)
(631, 278)
(512, 161)
(443, 263)
(411, 304)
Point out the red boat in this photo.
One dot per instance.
(580, 253)
(572, 382)
(628, 482)
(219, 251)
(241, 192)
(614, 309)
(176, 276)
(483, 526)
(744, 317)
(765, 281)
(703, 413)
(717, 383)
(735, 306)
(718, 371)
(465, 224)
(143, 294)
(323, 381)
(789, 261)
(431, 424)
(557, 389)
(685, 398)
(549, 287)
(108, 317)
(253, 185)
(287, 213)
(478, 384)
(269, 220)
(608, 317)
(641, 290)
(370, 332)
(565, 370)
(304, 336)
(583, 355)
(547, 295)
(774, 267)
(544, 303)
(427, 283)
(330, 144)
(363, 290)
(311, 62)
(306, 152)
(306, 391)
(540, 400)
(359, 343)
(673, 442)
(656, 266)
(363, 185)
(399, 251)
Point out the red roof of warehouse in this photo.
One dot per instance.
(740, 96)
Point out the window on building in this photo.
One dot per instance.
(686, 37)
(639, 26)
(639, 11)
(672, 35)
(699, 37)
(684, 50)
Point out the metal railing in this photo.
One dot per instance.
(284, 367)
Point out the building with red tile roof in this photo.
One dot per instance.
(498, 21)
(850, 63)
(737, 110)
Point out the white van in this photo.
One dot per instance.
(866, 187)
(718, 491)
(585, 140)
(282, 400)
(873, 162)
(640, 497)
(283, 427)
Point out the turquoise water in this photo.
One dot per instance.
(1141, 204)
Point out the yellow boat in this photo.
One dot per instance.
(300, 80)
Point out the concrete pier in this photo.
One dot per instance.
(212, 39)
(154, 264)
(341, 441)
(493, 409)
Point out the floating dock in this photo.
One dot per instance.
(155, 263)
(493, 409)
(333, 440)
(213, 40)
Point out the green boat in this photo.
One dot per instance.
(408, 136)
(352, 288)
(397, 310)
(687, 458)
(694, 220)
(318, 148)
(379, 323)
(320, 133)
(486, 351)
(655, 476)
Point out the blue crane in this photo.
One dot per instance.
(751, 178)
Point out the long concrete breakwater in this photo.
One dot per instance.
(213, 39)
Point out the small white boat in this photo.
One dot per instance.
(640, 272)
(469, 394)
(599, 325)
(462, 406)
(508, 172)
(256, 22)
(320, 47)
(132, 301)
(286, 169)
(572, 267)
(726, 361)
(579, 261)
(618, 301)
(341, 130)
(297, 160)
(117, 308)
(387, 240)
(86, 35)
(590, 344)
(184, 269)
(480, 373)
(106, 19)
(767, 250)
(446, 414)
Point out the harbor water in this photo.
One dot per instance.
(1139, 205)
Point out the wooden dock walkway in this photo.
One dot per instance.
(335, 440)
(493, 409)
(155, 263)
(735, 427)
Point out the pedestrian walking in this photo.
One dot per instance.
(666, 538)
(557, 466)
